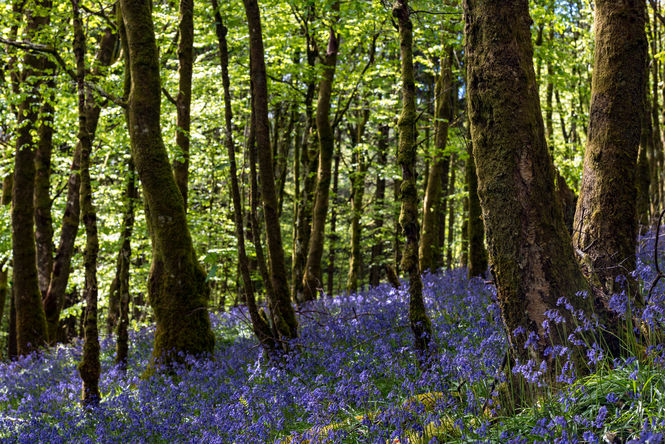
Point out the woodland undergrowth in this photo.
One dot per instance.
(352, 377)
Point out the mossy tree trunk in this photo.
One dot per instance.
(313, 276)
(259, 324)
(376, 260)
(421, 325)
(530, 251)
(55, 295)
(184, 97)
(605, 227)
(177, 289)
(286, 324)
(643, 177)
(89, 368)
(31, 328)
(430, 249)
(357, 177)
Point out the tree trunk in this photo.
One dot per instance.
(31, 328)
(43, 220)
(379, 196)
(332, 238)
(451, 215)
(313, 279)
(477, 264)
(530, 251)
(286, 324)
(643, 177)
(89, 368)
(408, 218)
(605, 219)
(121, 280)
(178, 291)
(430, 252)
(259, 323)
(184, 97)
(357, 192)
(55, 296)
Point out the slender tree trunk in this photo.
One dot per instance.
(89, 367)
(43, 220)
(332, 238)
(408, 218)
(430, 251)
(451, 215)
(7, 183)
(177, 289)
(30, 319)
(379, 208)
(122, 273)
(477, 265)
(643, 177)
(606, 213)
(530, 251)
(312, 278)
(184, 97)
(259, 323)
(55, 296)
(286, 324)
(357, 194)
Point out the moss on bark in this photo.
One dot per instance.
(177, 289)
(605, 219)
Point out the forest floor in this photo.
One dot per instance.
(352, 377)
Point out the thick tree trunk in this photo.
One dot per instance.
(55, 296)
(530, 251)
(184, 97)
(286, 325)
(605, 219)
(377, 259)
(643, 177)
(259, 323)
(177, 289)
(477, 262)
(313, 277)
(89, 368)
(30, 319)
(408, 218)
(430, 252)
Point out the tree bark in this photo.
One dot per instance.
(89, 368)
(379, 208)
(43, 219)
(313, 276)
(55, 295)
(178, 291)
(421, 325)
(259, 324)
(184, 97)
(357, 193)
(31, 328)
(430, 251)
(451, 215)
(605, 219)
(283, 313)
(332, 237)
(530, 251)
